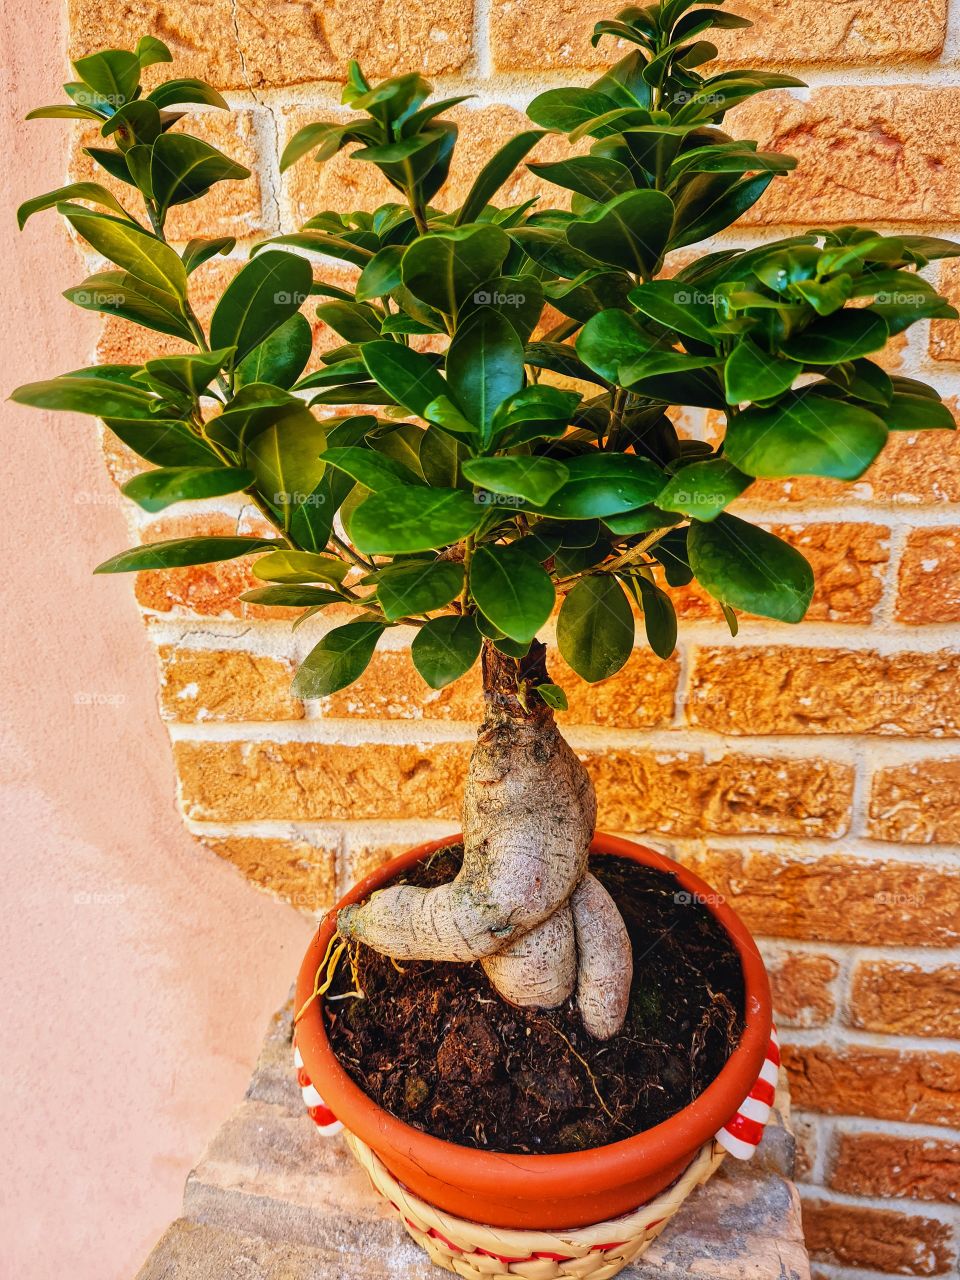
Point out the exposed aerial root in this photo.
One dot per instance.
(522, 901)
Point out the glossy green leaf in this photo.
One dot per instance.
(485, 365)
(95, 395)
(408, 376)
(135, 250)
(150, 50)
(845, 335)
(702, 490)
(199, 251)
(382, 274)
(113, 74)
(262, 295)
(806, 435)
(612, 340)
(154, 490)
(184, 168)
(182, 552)
(179, 93)
(411, 589)
(444, 269)
(281, 357)
(536, 479)
(659, 617)
(602, 484)
(512, 589)
(300, 567)
(164, 443)
(595, 628)
(187, 376)
(553, 696)
(117, 293)
(340, 658)
(630, 231)
(413, 518)
(286, 462)
(595, 177)
(375, 471)
(752, 374)
(292, 597)
(445, 649)
(676, 307)
(495, 173)
(92, 191)
(747, 568)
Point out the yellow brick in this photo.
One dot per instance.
(225, 684)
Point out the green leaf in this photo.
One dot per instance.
(553, 696)
(285, 458)
(603, 484)
(538, 410)
(440, 458)
(181, 552)
(92, 191)
(281, 357)
(595, 177)
(445, 649)
(199, 251)
(564, 110)
(262, 295)
(186, 375)
(908, 412)
(842, 336)
(612, 340)
(292, 597)
(485, 366)
(113, 74)
(675, 307)
(181, 92)
(164, 443)
(751, 374)
(298, 567)
(495, 173)
(659, 617)
(413, 518)
(382, 273)
(95, 395)
(154, 490)
(536, 479)
(595, 628)
(512, 589)
(184, 168)
(355, 322)
(444, 269)
(375, 471)
(341, 657)
(150, 50)
(748, 568)
(630, 231)
(136, 123)
(408, 376)
(62, 111)
(119, 294)
(133, 249)
(409, 589)
(698, 218)
(701, 490)
(806, 435)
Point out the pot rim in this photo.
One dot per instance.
(490, 1172)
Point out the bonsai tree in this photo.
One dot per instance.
(498, 430)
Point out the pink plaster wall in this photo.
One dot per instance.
(138, 972)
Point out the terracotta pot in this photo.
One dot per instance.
(550, 1191)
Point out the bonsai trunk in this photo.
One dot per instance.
(523, 902)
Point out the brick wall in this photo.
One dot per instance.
(812, 774)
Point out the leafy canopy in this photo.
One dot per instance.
(497, 427)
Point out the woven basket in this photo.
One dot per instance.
(473, 1251)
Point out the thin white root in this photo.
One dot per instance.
(604, 959)
(539, 970)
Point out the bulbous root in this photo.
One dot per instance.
(523, 902)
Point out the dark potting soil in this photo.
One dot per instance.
(437, 1047)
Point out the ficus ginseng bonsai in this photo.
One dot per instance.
(525, 362)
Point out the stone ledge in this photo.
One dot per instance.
(272, 1200)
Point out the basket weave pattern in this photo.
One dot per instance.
(473, 1250)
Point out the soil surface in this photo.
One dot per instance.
(435, 1045)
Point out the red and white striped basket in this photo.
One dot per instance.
(599, 1251)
